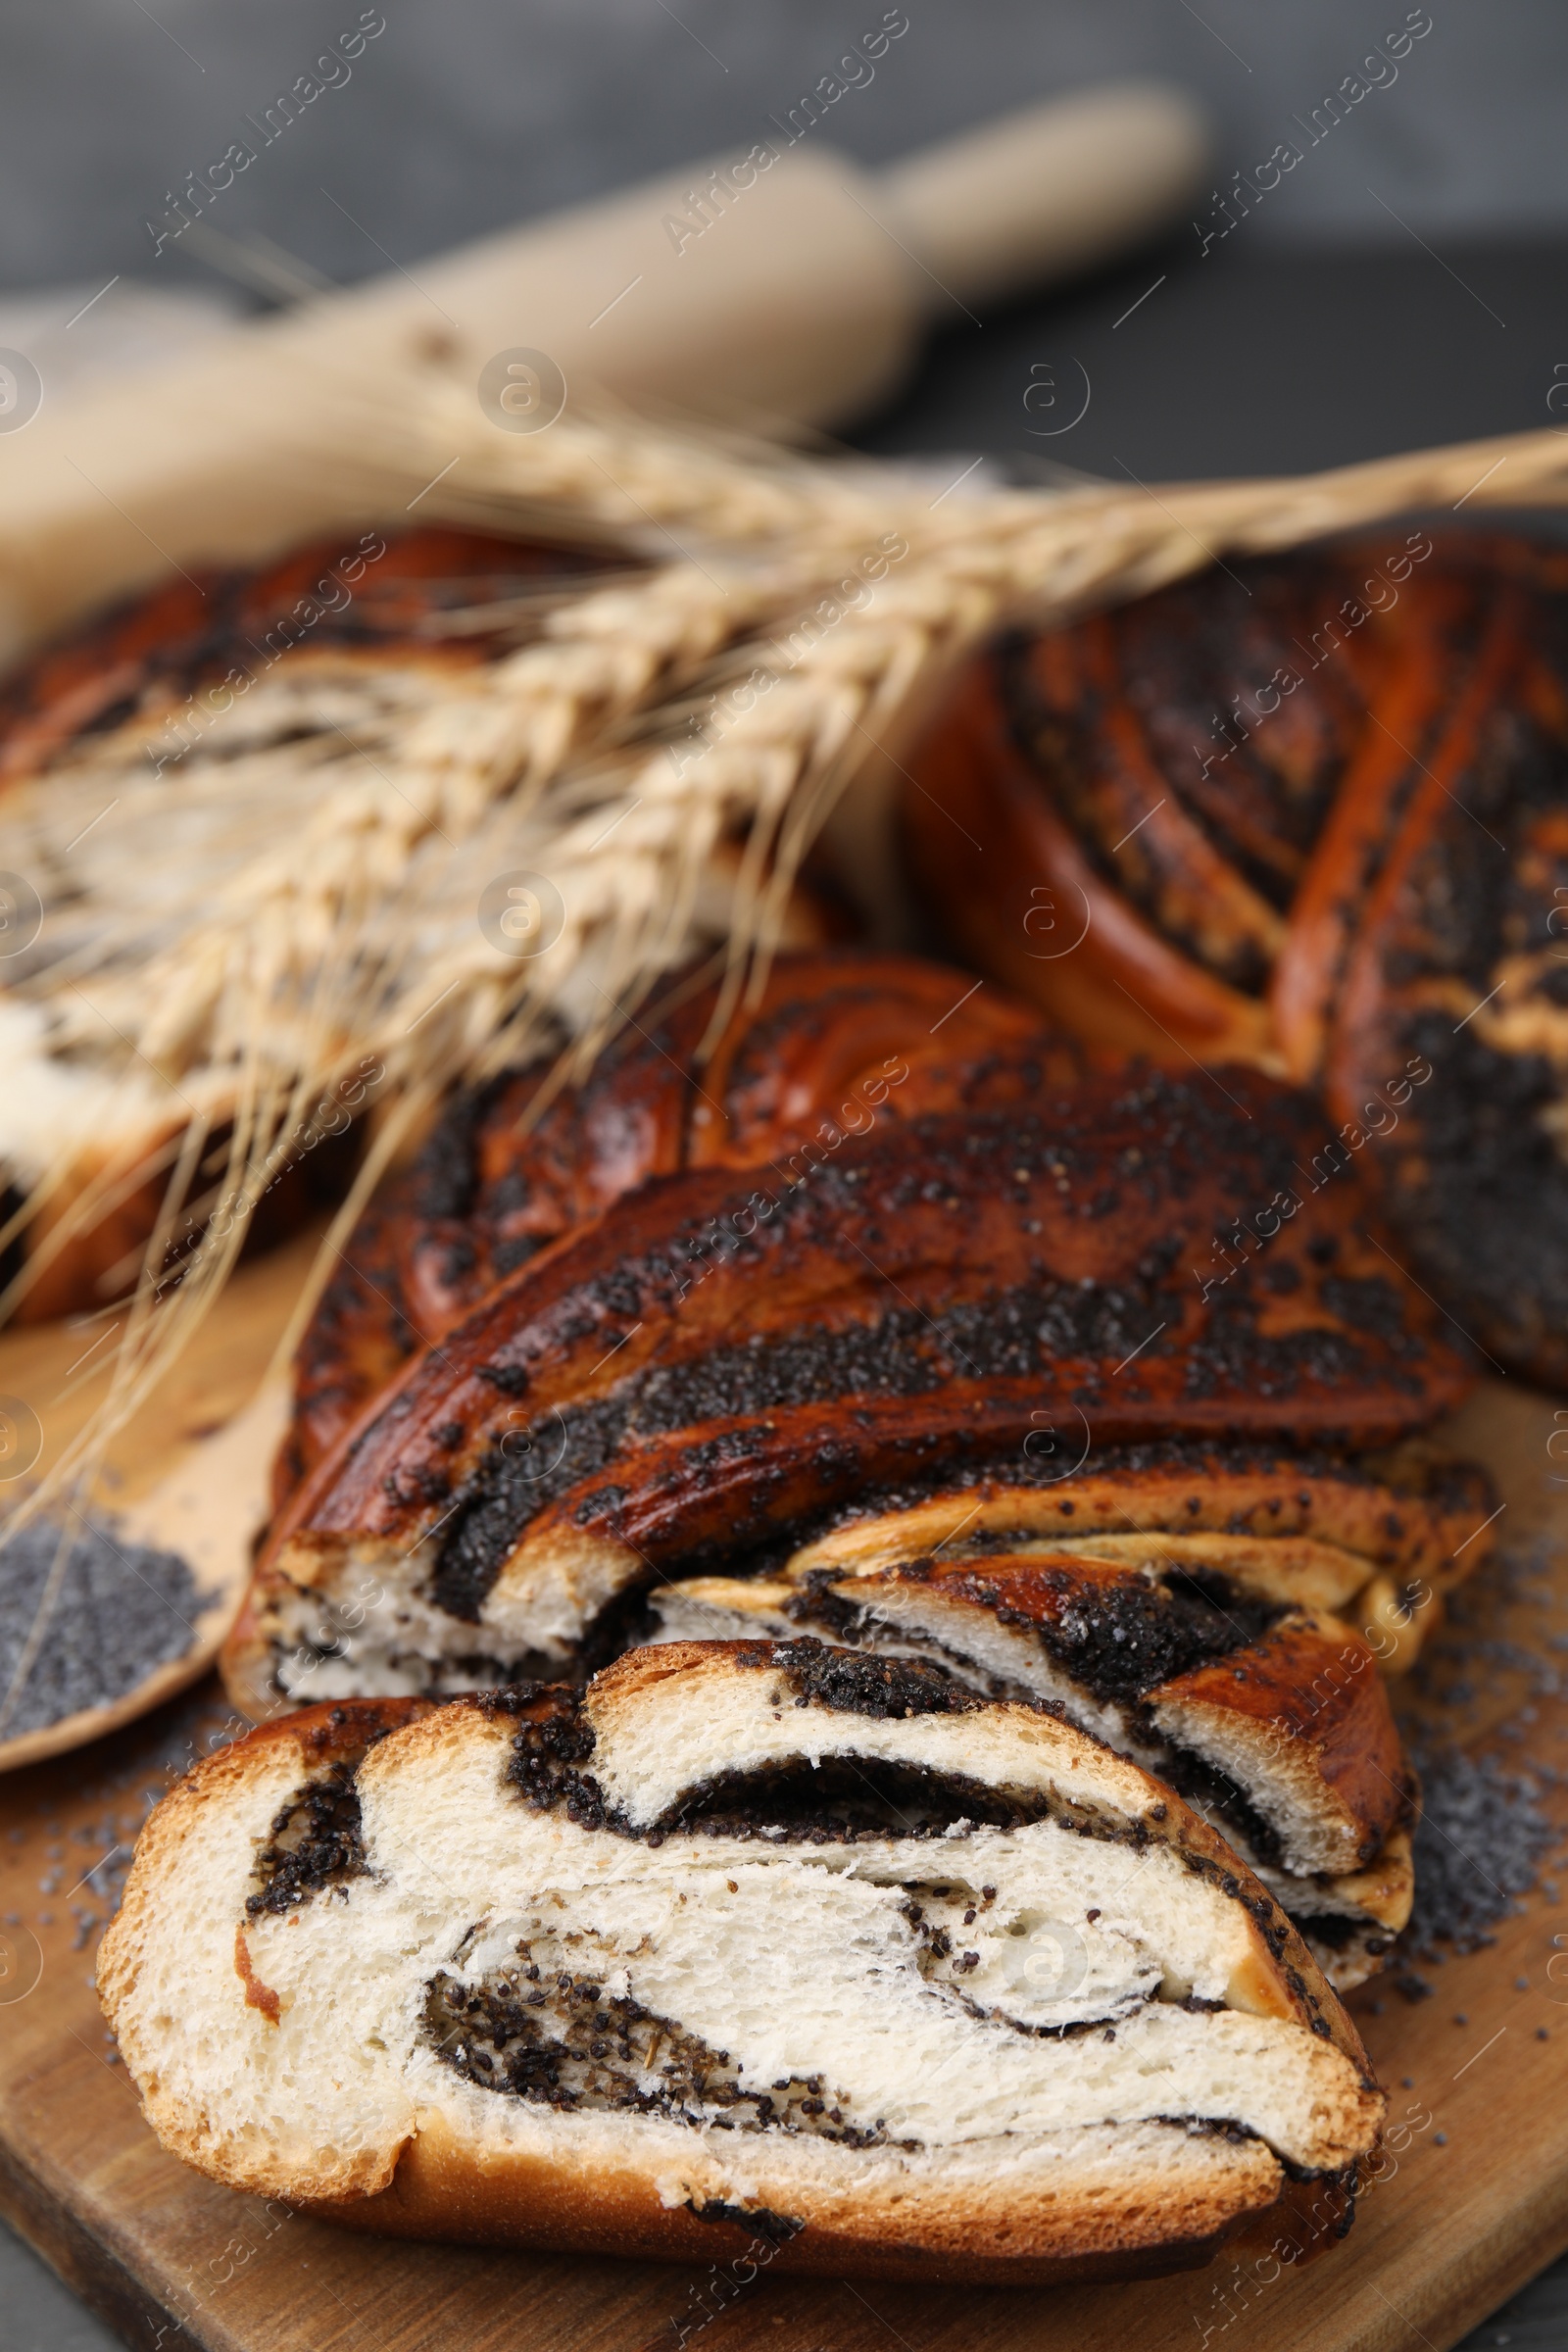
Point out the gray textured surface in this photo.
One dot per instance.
(1250, 361)
(41, 2315)
(469, 115)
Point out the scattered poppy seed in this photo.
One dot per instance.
(1473, 1808)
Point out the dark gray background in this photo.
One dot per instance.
(1325, 329)
(469, 114)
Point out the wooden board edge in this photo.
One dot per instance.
(83, 2262)
(1498, 2279)
(207, 1470)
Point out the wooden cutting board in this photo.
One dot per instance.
(1472, 2201)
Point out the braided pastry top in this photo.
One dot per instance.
(1311, 814)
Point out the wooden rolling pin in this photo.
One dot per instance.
(779, 287)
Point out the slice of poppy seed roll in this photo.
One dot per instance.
(748, 1940)
(1377, 1540)
(1270, 1721)
(1297, 1574)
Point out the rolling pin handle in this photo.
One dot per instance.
(1040, 195)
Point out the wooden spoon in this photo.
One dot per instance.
(208, 1508)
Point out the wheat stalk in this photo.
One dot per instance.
(309, 904)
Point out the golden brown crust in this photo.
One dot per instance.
(1308, 1699)
(444, 2188)
(1407, 1515)
(248, 1662)
(1385, 1891)
(1308, 819)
